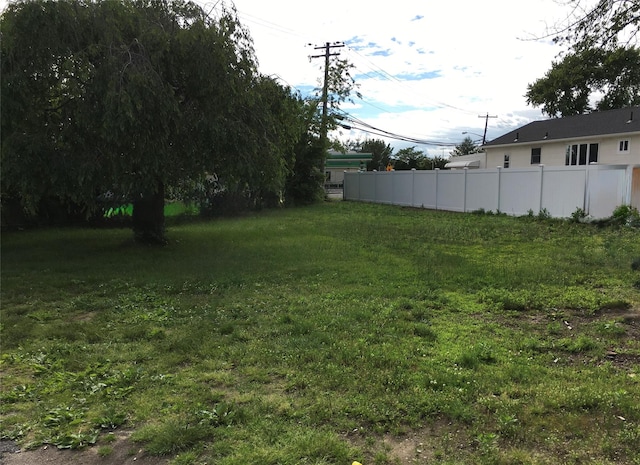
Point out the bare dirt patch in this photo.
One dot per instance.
(122, 451)
(622, 348)
(414, 448)
(426, 445)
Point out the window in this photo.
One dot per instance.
(593, 153)
(581, 154)
(623, 146)
(535, 156)
(582, 159)
(506, 161)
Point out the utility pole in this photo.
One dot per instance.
(325, 95)
(486, 123)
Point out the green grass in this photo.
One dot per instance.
(329, 334)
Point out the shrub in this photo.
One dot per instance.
(578, 215)
(626, 215)
(544, 214)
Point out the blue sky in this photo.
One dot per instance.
(429, 70)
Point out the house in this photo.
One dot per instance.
(337, 163)
(609, 137)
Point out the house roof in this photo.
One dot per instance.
(336, 160)
(598, 123)
(463, 164)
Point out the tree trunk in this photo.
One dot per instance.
(148, 217)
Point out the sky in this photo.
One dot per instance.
(427, 70)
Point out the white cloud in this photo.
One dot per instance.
(478, 58)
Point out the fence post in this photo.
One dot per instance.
(413, 185)
(586, 200)
(464, 201)
(375, 186)
(499, 169)
(437, 171)
(541, 187)
(628, 195)
(343, 179)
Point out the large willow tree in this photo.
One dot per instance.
(132, 97)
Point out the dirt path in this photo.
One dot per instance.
(122, 452)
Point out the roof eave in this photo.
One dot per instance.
(563, 139)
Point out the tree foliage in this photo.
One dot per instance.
(305, 183)
(341, 84)
(572, 82)
(605, 24)
(602, 60)
(438, 162)
(409, 158)
(466, 147)
(381, 152)
(133, 97)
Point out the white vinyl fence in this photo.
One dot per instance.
(560, 190)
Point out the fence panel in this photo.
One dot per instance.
(384, 187)
(519, 191)
(402, 188)
(563, 190)
(606, 190)
(367, 187)
(451, 190)
(598, 189)
(482, 190)
(351, 186)
(425, 189)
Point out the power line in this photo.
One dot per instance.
(360, 125)
(273, 26)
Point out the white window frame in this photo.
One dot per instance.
(538, 155)
(578, 150)
(623, 146)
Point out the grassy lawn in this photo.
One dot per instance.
(329, 334)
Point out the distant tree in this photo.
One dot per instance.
(571, 83)
(409, 158)
(466, 147)
(381, 153)
(436, 162)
